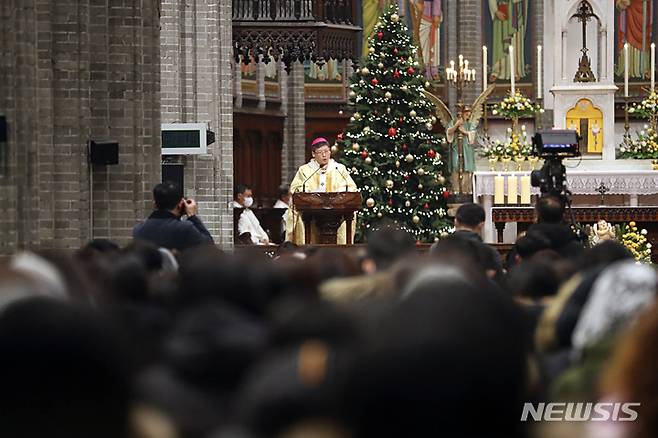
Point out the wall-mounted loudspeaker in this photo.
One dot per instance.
(103, 152)
(3, 129)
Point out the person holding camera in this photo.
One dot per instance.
(164, 227)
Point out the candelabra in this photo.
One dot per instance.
(627, 135)
(458, 78)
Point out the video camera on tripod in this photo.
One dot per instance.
(553, 146)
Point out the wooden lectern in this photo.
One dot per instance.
(328, 211)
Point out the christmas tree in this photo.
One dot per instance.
(389, 147)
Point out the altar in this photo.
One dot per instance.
(597, 183)
(578, 89)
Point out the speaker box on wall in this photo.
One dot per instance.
(174, 172)
(103, 152)
(3, 129)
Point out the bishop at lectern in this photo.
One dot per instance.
(320, 174)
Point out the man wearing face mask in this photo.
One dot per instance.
(320, 174)
(248, 222)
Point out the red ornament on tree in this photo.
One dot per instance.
(374, 81)
(446, 194)
(364, 153)
(401, 119)
(390, 201)
(380, 35)
(395, 51)
(406, 177)
(431, 153)
(426, 206)
(396, 73)
(392, 131)
(405, 147)
(340, 136)
(410, 70)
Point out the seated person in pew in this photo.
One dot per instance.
(283, 202)
(248, 222)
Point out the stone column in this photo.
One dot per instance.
(70, 72)
(470, 40)
(294, 138)
(197, 87)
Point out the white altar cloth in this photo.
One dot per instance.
(579, 181)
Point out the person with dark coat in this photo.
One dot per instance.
(164, 226)
(550, 224)
(469, 222)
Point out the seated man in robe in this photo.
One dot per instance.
(320, 174)
(248, 222)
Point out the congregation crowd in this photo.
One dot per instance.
(146, 341)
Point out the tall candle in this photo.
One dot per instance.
(653, 66)
(461, 60)
(485, 61)
(626, 70)
(499, 189)
(525, 189)
(511, 68)
(539, 64)
(512, 189)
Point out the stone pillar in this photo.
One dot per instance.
(197, 87)
(294, 136)
(470, 40)
(70, 72)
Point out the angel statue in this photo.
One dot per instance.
(461, 135)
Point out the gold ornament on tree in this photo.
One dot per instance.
(395, 18)
(415, 219)
(370, 202)
(412, 113)
(355, 146)
(409, 158)
(368, 160)
(420, 172)
(365, 71)
(407, 204)
(388, 95)
(389, 184)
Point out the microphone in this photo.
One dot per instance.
(345, 178)
(311, 175)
